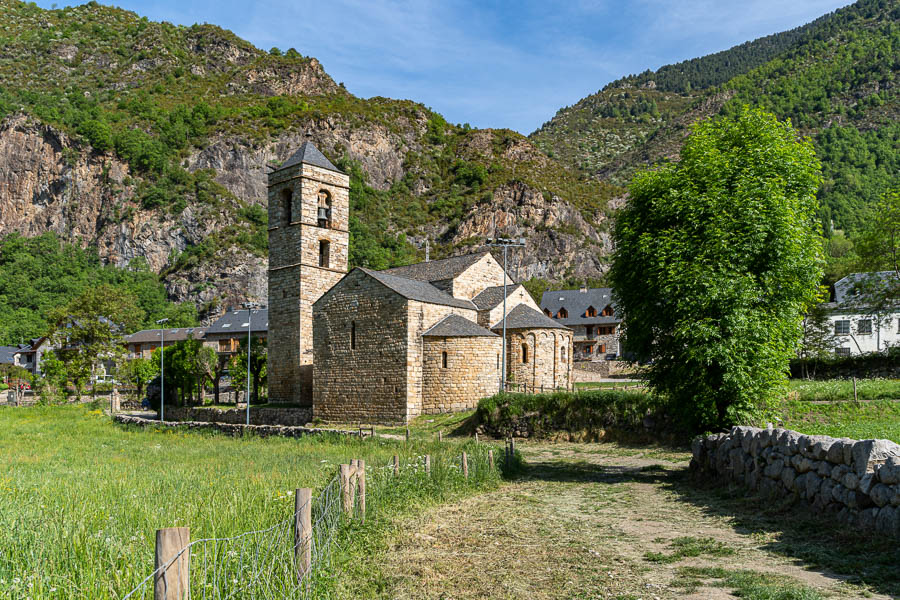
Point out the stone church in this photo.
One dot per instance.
(387, 346)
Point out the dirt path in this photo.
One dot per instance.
(595, 521)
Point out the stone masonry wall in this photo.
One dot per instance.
(548, 365)
(856, 481)
(489, 318)
(485, 273)
(422, 316)
(258, 416)
(295, 279)
(472, 372)
(367, 383)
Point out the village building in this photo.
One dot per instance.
(387, 346)
(227, 332)
(591, 314)
(856, 327)
(141, 344)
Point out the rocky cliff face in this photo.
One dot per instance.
(48, 182)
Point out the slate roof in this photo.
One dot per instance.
(525, 317)
(493, 296)
(457, 326)
(846, 289)
(414, 289)
(172, 334)
(438, 270)
(576, 303)
(310, 155)
(8, 355)
(236, 320)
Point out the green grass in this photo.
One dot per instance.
(862, 420)
(684, 547)
(751, 585)
(836, 390)
(610, 385)
(81, 497)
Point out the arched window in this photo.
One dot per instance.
(444, 360)
(287, 201)
(324, 209)
(324, 251)
(562, 353)
(562, 314)
(608, 311)
(353, 335)
(524, 353)
(591, 311)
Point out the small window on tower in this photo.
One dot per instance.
(524, 353)
(324, 251)
(353, 335)
(287, 201)
(443, 360)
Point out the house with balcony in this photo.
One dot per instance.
(226, 333)
(141, 344)
(591, 314)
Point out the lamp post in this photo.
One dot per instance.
(249, 306)
(162, 372)
(506, 243)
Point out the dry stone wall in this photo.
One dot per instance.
(472, 372)
(857, 481)
(258, 416)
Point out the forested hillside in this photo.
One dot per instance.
(151, 141)
(836, 79)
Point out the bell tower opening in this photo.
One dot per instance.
(323, 211)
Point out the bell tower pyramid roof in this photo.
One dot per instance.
(310, 155)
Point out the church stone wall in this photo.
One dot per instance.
(549, 359)
(485, 273)
(472, 372)
(489, 318)
(421, 317)
(368, 383)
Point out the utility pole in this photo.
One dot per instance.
(162, 372)
(249, 306)
(506, 243)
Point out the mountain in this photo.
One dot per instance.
(151, 141)
(835, 78)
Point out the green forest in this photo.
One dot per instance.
(40, 274)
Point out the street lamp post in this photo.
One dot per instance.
(506, 243)
(249, 306)
(162, 372)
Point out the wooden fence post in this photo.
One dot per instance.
(407, 433)
(465, 465)
(361, 488)
(491, 460)
(354, 478)
(476, 437)
(440, 436)
(855, 398)
(303, 531)
(427, 464)
(396, 466)
(172, 580)
(346, 498)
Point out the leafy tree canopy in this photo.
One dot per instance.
(717, 259)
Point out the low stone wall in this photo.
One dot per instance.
(601, 368)
(233, 429)
(292, 417)
(857, 481)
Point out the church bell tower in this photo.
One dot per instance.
(309, 206)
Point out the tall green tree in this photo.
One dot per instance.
(138, 372)
(879, 250)
(258, 373)
(89, 331)
(718, 257)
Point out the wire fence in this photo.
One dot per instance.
(287, 559)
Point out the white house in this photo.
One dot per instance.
(856, 327)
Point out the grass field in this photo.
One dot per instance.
(81, 497)
(859, 421)
(836, 390)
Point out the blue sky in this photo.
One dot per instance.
(491, 64)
